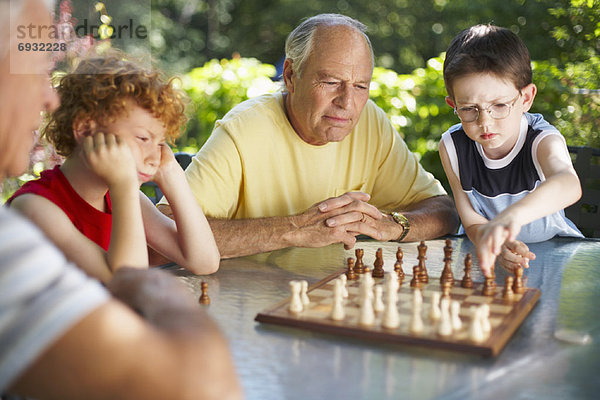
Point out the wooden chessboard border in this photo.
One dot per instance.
(492, 346)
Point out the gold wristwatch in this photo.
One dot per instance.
(402, 221)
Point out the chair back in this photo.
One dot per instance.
(152, 190)
(585, 213)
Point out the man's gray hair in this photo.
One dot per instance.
(298, 44)
(10, 10)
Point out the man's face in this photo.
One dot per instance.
(24, 92)
(325, 103)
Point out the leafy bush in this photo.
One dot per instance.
(218, 86)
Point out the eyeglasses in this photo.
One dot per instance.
(496, 111)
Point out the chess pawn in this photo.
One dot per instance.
(366, 287)
(486, 327)
(416, 322)
(304, 294)
(455, 311)
(391, 284)
(446, 288)
(350, 272)
(476, 333)
(417, 298)
(415, 282)
(488, 287)
(204, 299)
(435, 313)
(378, 305)
(508, 290)
(359, 267)
(367, 314)
(296, 301)
(400, 277)
(423, 275)
(518, 284)
(445, 326)
(337, 311)
(398, 264)
(378, 265)
(391, 316)
(467, 282)
(344, 280)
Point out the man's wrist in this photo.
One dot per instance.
(401, 220)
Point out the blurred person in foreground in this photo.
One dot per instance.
(62, 335)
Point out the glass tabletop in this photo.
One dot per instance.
(554, 354)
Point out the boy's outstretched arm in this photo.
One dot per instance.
(187, 238)
(560, 189)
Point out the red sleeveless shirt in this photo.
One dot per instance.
(54, 186)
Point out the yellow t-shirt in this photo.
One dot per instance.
(255, 165)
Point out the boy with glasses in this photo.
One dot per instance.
(509, 170)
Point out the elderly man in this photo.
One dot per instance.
(62, 336)
(270, 163)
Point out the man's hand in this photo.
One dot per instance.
(354, 210)
(336, 220)
(157, 296)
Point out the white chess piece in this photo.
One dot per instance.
(475, 332)
(366, 287)
(367, 315)
(304, 293)
(455, 310)
(344, 280)
(378, 305)
(296, 301)
(391, 316)
(416, 322)
(435, 312)
(337, 311)
(417, 298)
(391, 283)
(485, 319)
(445, 326)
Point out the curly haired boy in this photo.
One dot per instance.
(112, 126)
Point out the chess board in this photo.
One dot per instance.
(505, 315)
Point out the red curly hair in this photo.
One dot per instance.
(100, 88)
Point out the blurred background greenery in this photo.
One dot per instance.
(229, 50)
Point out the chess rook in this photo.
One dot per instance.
(350, 271)
(359, 266)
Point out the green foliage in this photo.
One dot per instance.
(417, 108)
(218, 86)
(571, 104)
(404, 33)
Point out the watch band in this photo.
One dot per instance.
(402, 221)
